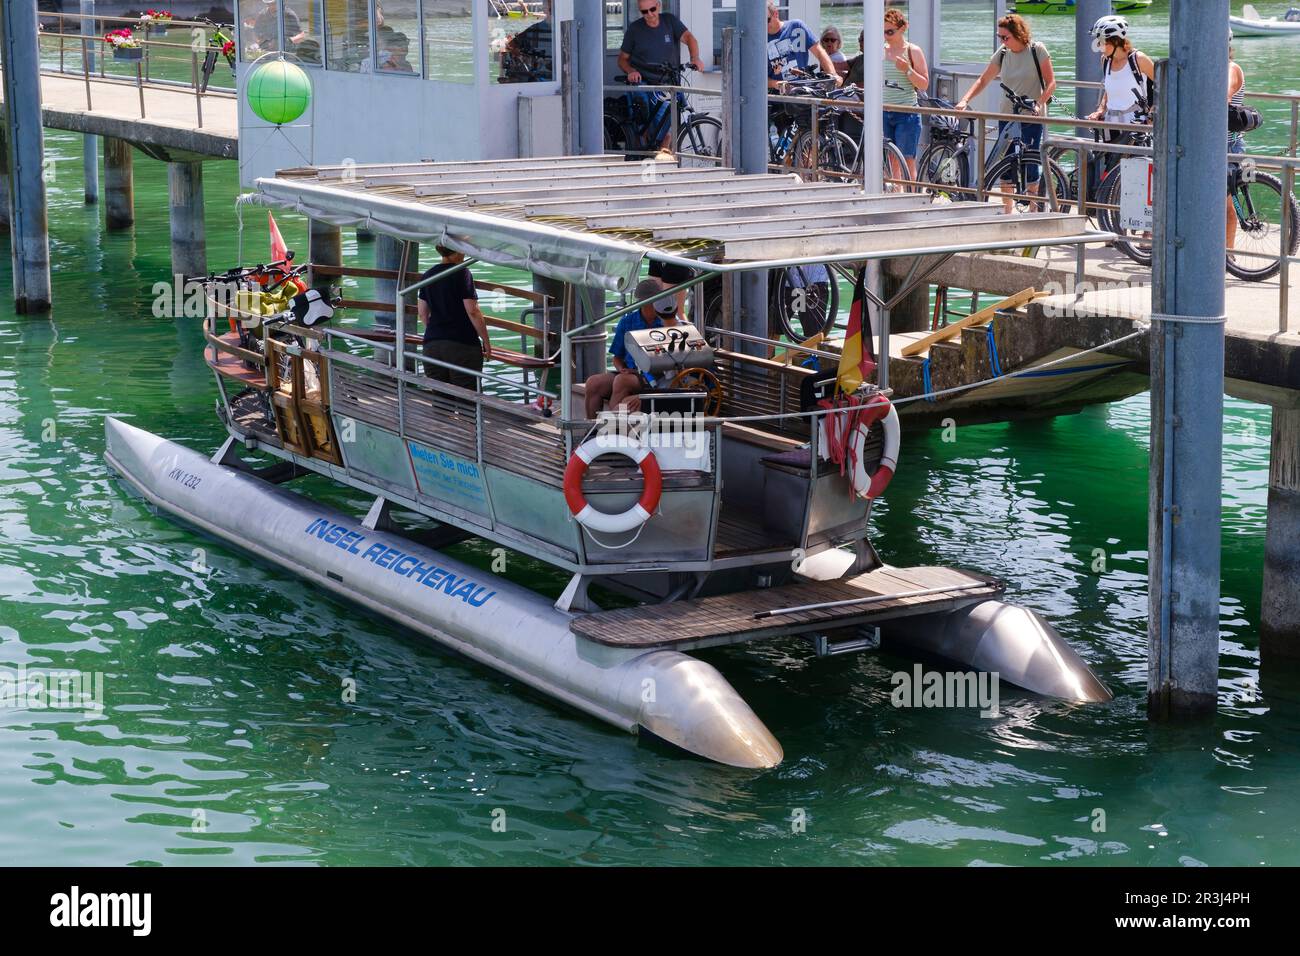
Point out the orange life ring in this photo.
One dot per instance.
(633, 517)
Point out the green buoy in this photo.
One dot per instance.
(279, 91)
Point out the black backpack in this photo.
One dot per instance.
(1243, 119)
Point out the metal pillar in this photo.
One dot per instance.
(748, 128)
(119, 184)
(589, 47)
(90, 143)
(388, 255)
(589, 347)
(324, 248)
(873, 88)
(1187, 363)
(26, 154)
(1087, 64)
(1279, 625)
(4, 179)
(185, 202)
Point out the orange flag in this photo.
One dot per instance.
(279, 250)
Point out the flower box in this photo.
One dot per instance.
(128, 53)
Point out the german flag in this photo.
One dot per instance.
(857, 360)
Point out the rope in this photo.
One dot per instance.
(925, 377)
(994, 364)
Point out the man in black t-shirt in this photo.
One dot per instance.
(653, 41)
(454, 329)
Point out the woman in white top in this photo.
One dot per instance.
(1236, 144)
(1126, 73)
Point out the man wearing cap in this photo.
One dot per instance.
(621, 387)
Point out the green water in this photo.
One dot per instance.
(222, 679)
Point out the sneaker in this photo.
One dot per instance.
(665, 156)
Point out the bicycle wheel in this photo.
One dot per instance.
(836, 158)
(1259, 227)
(702, 138)
(946, 167)
(1014, 169)
(1134, 243)
(804, 300)
(895, 168)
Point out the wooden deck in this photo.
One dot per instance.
(730, 618)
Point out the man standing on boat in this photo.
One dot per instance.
(654, 41)
(621, 387)
(455, 331)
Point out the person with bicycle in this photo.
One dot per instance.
(906, 72)
(791, 46)
(653, 42)
(1236, 142)
(1024, 68)
(1128, 76)
(621, 387)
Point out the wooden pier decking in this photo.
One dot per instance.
(730, 618)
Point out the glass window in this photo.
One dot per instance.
(523, 48)
(259, 23)
(724, 17)
(302, 29)
(347, 35)
(448, 42)
(397, 36)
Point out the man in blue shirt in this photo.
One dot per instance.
(790, 46)
(621, 387)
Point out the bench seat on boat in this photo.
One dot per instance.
(223, 354)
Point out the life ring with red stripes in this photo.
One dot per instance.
(602, 521)
(878, 409)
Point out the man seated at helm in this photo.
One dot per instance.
(621, 387)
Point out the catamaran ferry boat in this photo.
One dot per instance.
(735, 506)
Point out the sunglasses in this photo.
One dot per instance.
(1004, 37)
(646, 11)
(890, 32)
(830, 41)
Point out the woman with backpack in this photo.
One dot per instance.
(1128, 75)
(1236, 141)
(1024, 66)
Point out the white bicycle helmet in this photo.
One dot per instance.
(1108, 28)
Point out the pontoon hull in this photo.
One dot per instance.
(507, 627)
(1014, 642)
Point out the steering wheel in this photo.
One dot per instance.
(701, 380)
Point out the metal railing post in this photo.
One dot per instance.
(194, 74)
(980, 132)
(1284, 263)
(815, 132)
(85, 69)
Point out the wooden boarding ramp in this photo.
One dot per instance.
(878, 595)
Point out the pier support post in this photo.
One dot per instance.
(324, 248)
(912, 312)
(1087, 64)
(1279, 625)
(388, 255)
(747, 126)
(185, 199)
(589, 21)
(25, 143)
(1187, 364)
(89, 142)
(119, 184)
(4, 180)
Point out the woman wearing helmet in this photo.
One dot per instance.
(1128, 75)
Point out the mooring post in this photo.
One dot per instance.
(324, 248)
(185, 201)
(1087, 64)
(90, 142)
(1187, 302)
(748, 128)
(25, 142)
(119, 184)
(388, 255)
(4, 179)
(1279, 625)
(589, 20)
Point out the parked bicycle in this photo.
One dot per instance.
(220, 43)
(1259, 201)
(638, 121)
(949, 162)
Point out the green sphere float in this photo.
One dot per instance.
(279, 92)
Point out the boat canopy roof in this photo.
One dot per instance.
(591, 220)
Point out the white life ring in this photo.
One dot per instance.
(873, 486)
(601, 521)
